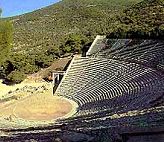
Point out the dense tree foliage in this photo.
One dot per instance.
(5, 40)
(143, 20)
(6, 36)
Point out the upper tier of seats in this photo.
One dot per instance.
(148, 52)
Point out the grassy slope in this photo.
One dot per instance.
(48, 27)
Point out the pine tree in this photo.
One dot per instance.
(5, 39)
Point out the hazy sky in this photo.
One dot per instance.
(17, 7)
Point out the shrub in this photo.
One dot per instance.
(16, 76)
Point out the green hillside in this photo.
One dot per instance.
(143, 20)
(45, 35)
(48, 27)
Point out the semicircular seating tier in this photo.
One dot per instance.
(96, 84)
(147, 52)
